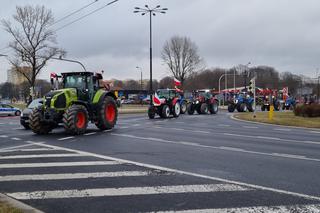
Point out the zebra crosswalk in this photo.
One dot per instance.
(55, 179)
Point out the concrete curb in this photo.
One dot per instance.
(19, 205)
(277, 125)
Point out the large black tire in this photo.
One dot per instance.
(107, 114)
(165, 111)
(36, 125)
(176, 109)
(183, 107)
(190, 109)
(75, 120)
(231, 108)
(151, 112)
(214, 108)
(250, 107)
(17, 113)
(26, 126)
(243, 107)
(204, 108)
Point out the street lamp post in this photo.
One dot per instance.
(74, 61)
(245, 75)
(152, 12)
(140, 77)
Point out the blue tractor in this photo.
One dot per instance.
(289, 104)
(242, 103)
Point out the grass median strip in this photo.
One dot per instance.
(6, 208)
(281, 118)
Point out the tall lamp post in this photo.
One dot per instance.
(245, 75)
(152, 12)
(137, 67)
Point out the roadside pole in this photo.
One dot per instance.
(254, 96)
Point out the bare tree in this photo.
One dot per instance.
(180, 54)
(33, 41)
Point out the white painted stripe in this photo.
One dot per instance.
(16, 139)
(277, 139)
(67, 176)
(200, 131)
(3, 136)
(316, 132)
(41, 156)
(224, 125)
(214, 147)
(250, 127)
(150, 166)
(59, 164)
(13, 147)
(90, 133)
(25, 150)
(108, 130)
(279, 129)
(106, 192)
(136, 125)
(251, 209)
(180, 129)
(289, 155)
(66, 138)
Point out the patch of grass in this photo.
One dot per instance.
(5, 208)
(281, 118)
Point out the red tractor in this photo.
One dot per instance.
(203, 102)
(165, 102)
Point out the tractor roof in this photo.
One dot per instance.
(78, 73)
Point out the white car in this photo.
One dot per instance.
(6, 110)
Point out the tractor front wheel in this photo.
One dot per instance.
(151, 112)
(183, 107)
(75, 120)
(231, 108)
(190, 109)
(107, 114)
(214, 108)
(176, 109)
(36, 125)
(204, 108)
(165, 111)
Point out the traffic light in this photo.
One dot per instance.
(251, 85)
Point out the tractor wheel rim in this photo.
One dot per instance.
(81, 120)
(215, 107)
(177, 108)
(110, 113)
(167, 111)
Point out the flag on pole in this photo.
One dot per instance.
(177, 82)
(156, 100)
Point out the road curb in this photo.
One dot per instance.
(19, 205)
(267, 124)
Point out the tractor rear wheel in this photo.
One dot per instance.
(107, 114)
(250, 107)
(176, 109)
(151, 111)
(183, 107)
(190, 109)
(204, 108)
(243, 107)
(36, 125)
(165, 111)
(263, 108)
(214, 108)
(75, 120)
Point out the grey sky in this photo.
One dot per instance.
(284, 34)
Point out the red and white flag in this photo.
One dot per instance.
(156, 100)
(177, 82)
(178, 90)
(285, 90)
(53, 75)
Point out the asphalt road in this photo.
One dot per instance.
(200, 163)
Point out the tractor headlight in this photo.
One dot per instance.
(197, 102)
(236, 101)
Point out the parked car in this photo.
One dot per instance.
(7, 110)
(24, 118)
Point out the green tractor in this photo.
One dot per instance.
(81, 100)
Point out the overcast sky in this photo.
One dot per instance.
(284, 34)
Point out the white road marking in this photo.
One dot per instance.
(136, 125)
(16, 139)
(280, 129)
(250, 127)
(268, 209)
(224, 125)
(212, 147)
(200, 131)
(13, 147)
(231, 148)
(66, 138)
(41, 156)
(66, 176)
(58, 164)
(25, 150)
(180, 129)
(289, 155)
(90, 133)
(122, 127)
(180, 122)
(150, 166)
(107, 130)
(271, 138)
(126, 191)
(3, 136)
(315, 132)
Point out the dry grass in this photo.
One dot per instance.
(281, 118)
(5, 208)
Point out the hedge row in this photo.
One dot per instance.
(307, 110)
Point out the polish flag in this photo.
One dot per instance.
(53, 75)
(178, 90)
(177, 82)
(156, 100)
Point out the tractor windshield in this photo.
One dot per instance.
(163, 93)
(204, 94)
(75, 81)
